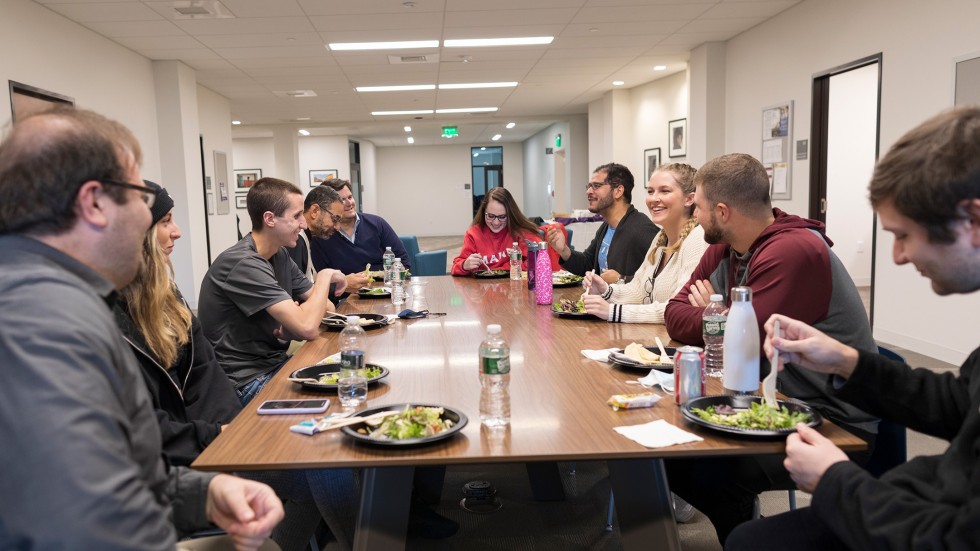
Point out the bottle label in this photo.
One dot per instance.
(713, 328)
(352, 359)
(388, 262)
(496, 366)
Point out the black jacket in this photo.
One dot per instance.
(192, 399)
(634, 234)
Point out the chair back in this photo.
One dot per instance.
(411, 244)
(429, 263)
(891, 445)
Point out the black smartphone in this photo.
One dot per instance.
(282, 407)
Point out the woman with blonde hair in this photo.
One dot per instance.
(670, 261)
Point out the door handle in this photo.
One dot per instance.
(823, 205)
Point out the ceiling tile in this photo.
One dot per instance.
(382, 21)
(272, 52)
(114, 29)
(749, 9)
(736, 25)
(506, 18)
(270, 39)
(263, 8)
(159, 42)
(661, 12)
(187, 54)
(106, 11)
(353, 7)
(257, 25)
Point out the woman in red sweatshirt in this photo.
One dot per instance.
(497, 225)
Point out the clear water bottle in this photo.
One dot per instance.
(741, 372)
(352, 379)
(494, 379)
(388, 259)
(713, 329)
(543, 285)
(397, 282)
(514, 252)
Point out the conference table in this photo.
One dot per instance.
(558, 409)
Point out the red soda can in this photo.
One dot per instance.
(689, 374)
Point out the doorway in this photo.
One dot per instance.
(487, 172)
(844, 134)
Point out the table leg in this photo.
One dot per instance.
(382, 523)
(545, 481)
(643, 504)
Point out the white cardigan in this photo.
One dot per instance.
(644, 299)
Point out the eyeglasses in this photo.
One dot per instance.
(149, 194)
(334, 217)
(497, 217)
(592, 186)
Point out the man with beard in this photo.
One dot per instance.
(254, 300)
(621, 242)
(322, 209)
(787, 262)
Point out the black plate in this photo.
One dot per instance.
(364, 294)
(314, 372)
(457, 417)
(574, 315)
(492, 274)
(337, 324)
(743, 402)
(627, 363)
(557, 285)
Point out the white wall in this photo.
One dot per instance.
(322, 152)
(252, 153)
(214, 117)
(776, 61)
(539, 172)
(653, 105)
(369, 177)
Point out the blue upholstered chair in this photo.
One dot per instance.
(428, 263)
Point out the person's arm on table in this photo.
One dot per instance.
(469, 249)
(303, 320)
(357, 280)
(682, 317)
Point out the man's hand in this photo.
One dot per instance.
(808, 456)
(473, 262)
(357, 280)
(611, 276)
(802, 345)
(596, 305)
(700, 294)
(334, 276)
(246, 509)
(594, 284)
(556, 239)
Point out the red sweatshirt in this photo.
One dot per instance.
(493, 248)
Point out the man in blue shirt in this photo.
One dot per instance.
(360, 240)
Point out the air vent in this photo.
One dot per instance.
(411, 59)
(200, 9)
(296, 94)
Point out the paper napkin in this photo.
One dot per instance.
(657, 434)
(599, 355)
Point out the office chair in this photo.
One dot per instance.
(428, 263)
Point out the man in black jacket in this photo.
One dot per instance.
(621, 241)
(926, 192)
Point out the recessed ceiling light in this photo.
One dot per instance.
(411, 139)
(511, 125)
(416, 112)
(496, 137)
(618, 83)
(477, 154)
(348, 46)
(483, 149)
(477, 85)
(659, 67)
(468, 110)
(303, 132)
(303, 119)
(481, 42)
(236, 123)
(408, 129)
(402, 88)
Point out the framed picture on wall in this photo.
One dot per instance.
(651, 160)
(677, 138)
(317, 177)
(240, 201)
(245, 178)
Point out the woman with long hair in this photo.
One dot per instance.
(670, 261)
(498, 223)
(194, 399)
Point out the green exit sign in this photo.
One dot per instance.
(450, 132)
(558, 140)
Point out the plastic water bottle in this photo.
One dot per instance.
(543, 284)
(514, 252)
(494, 379)
(352, 380)
(397, 283)
(713, 329)
(741, 372)
(388, 259)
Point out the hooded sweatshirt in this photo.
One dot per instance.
(791, 271)
(493, 248)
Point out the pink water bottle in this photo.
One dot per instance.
(542, 269)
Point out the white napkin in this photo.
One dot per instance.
(599, 355)
(392, 318)
(331, 359)
(659, 378)
(657, 434)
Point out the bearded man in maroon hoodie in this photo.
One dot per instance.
(787, 262)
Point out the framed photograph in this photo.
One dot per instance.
(651, 161)
(777, 145)
(317, 177)
(245, 178)
(677, 138)
(210, 203)
(240, 201)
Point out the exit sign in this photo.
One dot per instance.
(450, 132)
(558, 140)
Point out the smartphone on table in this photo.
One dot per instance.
(282, 407)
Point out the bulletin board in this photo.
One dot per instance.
(777, 139)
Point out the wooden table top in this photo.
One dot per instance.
(558, 397)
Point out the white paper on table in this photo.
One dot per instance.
(772, 151)
(599, 355)
(657, 434)
(779, 178)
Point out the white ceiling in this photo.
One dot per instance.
(270, 46)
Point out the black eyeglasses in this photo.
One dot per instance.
(592, 186)
(334, 217)
(149, 194)
(497, 217)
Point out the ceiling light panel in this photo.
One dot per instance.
(465, 86)
(402, 88)
(355, 46)
(497, 42)
(467, 110)
(394, 113)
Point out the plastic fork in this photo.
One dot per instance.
(769, 383)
